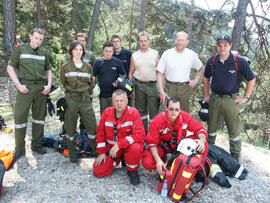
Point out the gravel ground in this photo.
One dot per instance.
(51, 178)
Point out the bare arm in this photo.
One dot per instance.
(159, 163)
(193, 83)
(131, 68)
(12, 74)
(206, 86)
(248, 92)
(160, 82)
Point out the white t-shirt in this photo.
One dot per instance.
(177, 66)
(145, 64)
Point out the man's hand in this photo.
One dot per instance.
(240, 100)
(200, 145)
(193, 83)
(207, 99)
(47, 89)
(100, 158)
(162, 96)
(22, 88)
(114, 151)
(159, 166)
(132, 95)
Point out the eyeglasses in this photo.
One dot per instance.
(117, 41)
(174, 109)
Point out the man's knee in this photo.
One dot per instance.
(148, 160)
(104, 169)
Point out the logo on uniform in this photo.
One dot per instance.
(232, 71)
(114, 68)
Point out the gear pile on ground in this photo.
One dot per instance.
(52, 178)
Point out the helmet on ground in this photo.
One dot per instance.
(187, 147)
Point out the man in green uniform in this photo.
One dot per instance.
(31, 73)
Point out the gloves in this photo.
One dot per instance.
(61, 106)
(50, 107)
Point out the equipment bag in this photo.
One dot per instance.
(180, 174)
(6, 160)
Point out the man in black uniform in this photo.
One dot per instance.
(107, 69)
(226, 71)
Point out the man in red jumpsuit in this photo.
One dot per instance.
(120, 134)
(166, 131)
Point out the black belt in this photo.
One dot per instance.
(33, 82)
(222, 94)
(177, 83)
(146, 82)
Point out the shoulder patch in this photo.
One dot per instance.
(64, 64)
(17, 45)
(89, 65)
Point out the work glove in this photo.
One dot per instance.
(50, 107)
(61, 106)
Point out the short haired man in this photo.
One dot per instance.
(143, 69)
(31, 73)
(120, 133)
(224, 100)
(175, 66)
(166, 131)
(107, 69)
(124, 55)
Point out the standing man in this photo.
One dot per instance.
(124, 55)
(226, 71)
(175, 66)
(120, 134)
(166, 131)
(107, 69)
(31, 73)
(143, 68)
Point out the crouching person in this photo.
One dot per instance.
(120, 135)
(166, 130)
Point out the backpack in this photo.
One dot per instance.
(6, 161)
(180, 173)
(234, 60)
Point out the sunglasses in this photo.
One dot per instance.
(174, 109)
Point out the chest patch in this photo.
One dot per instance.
(114, 68)
(232, 71)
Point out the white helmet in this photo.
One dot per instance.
(56, 94)
(96, 91)
(187, 146)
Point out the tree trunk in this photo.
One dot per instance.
(130, 25)
(9, 25)
(190, 22)
(141, 26)
(73, 13)
(240, 17)
(92, 29)
(38, 14)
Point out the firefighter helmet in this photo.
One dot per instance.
(187, 147)
(124, 83)
(203, 112)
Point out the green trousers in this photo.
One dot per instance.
(224, 106)
(146, 101)
(79, 104)
(38, 104)
(104, 103)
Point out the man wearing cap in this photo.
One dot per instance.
(174, 66)
(225, 99)
(31, 73)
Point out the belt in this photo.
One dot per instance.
(146, 82)
(177, 83)
(222, 94)
(34, 82)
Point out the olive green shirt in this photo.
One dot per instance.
(30, 64)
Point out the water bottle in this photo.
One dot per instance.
(164, 190)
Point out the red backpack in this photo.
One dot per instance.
(180, 174)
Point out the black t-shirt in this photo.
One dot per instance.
(107, 72)
(124, 56)
(226, 79)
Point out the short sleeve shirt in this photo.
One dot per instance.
(177, 66)
(226, 79)
(107, 72)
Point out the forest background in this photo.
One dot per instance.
(246, 21)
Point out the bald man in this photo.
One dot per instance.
(173, 72)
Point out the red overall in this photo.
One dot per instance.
(127, 132)
(160, 130)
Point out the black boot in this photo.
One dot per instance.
(134, 177)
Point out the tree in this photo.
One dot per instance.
(190, 22)
(92, 29)
(9, 26)
(240, 17)
(38, 14)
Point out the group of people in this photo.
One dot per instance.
(161, 85)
